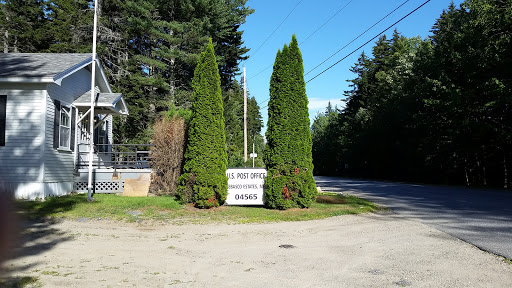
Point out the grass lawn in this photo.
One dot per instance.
(167, 209)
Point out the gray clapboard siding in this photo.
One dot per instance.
(21, 161)
(59, 165)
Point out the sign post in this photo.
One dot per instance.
(253, 154)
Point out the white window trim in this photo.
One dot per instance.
(67, 110)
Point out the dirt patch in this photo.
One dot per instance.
(370, 250)
(330, 200)
(192, 208)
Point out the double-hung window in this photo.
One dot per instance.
(65, 128)
(64, 123)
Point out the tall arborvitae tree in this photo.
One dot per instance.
(287, 155)
(204, 182)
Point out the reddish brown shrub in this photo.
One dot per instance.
(167, 155)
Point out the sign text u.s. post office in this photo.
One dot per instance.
(245, 186)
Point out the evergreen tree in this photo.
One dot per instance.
(254, 125)
(434, 110)
(164, 40)
(324, 133)
(148, 48)
(233, 117)
(234, 125)
(70, 26)
(287, 155)
(204, 181)
(23, 26)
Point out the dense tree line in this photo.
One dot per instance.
(434, 110)
(149, 48)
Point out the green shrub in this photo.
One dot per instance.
(204, 181)
(287, 155)
(180, 113)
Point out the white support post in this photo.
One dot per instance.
(83, 117)
(93, 94)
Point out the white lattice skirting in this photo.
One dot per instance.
(101, 187)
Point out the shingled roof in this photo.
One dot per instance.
(112, 103)
(53, 68)
(40, 65)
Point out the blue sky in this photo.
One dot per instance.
(308, 16)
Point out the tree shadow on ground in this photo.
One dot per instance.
(31, 232)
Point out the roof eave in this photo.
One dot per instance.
(27, 79)
(123, 102)
(57, 79)
(103, 76)
(104, 106)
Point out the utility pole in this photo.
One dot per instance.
(93, 96)
(245, 117)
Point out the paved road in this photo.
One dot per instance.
(480, 217)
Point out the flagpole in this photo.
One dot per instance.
(93, 94)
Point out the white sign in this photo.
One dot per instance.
(245, 186)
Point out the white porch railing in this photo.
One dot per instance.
(116, 156)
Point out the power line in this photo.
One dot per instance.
(264, 102)
(273, 32)
(369, 40)
(264, 106)
(266, 68)
(342, 8)
(348, 43)
(261, 71)
(356, 37)
(326, 22)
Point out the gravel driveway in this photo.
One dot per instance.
(370, 250)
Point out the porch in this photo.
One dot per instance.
(113, 165)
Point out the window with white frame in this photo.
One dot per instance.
(100, 134)
(65, 128)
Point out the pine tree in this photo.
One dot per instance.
(204, 182)
(23, 26)
(287, 155)
(234, 119)
(70, 26)
(254, 125)
(233, 116)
